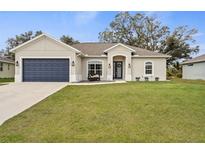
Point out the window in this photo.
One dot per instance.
(95, 67)
(8, 66)
(148, 68)
(1, 66)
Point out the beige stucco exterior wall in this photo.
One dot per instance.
(197, 71)
(8, 71)
(138, 68)
(84, 66)
(133, 67)
(119, 51)
(45, 48)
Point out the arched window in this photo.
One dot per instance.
(148, 68)
(95, 67)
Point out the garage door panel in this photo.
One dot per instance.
(46, 70)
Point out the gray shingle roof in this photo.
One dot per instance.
(93, 48)
(6, 60)
(97, 48)
(195, 60)
(145, 52)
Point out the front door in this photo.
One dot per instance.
(117, 70)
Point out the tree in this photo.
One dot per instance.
(68, 40)
(19, 39)
(147, 32)
(137, 30)
(179, 44)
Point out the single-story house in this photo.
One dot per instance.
(46, 59)
(6, 68)
(194, 68)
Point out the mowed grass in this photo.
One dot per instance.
(132, 112)
(3, 80)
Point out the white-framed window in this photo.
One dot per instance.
(148, 68)
(1, 66)
(95, 67)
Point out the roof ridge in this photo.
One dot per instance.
(198, 56)
(95, 43)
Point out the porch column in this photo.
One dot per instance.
(109, 67)
(128, 64)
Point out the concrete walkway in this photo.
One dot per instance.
(17, 97)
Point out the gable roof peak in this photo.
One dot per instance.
(44, 35)
(117, 44)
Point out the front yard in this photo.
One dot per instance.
(132, 112)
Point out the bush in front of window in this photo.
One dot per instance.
(137, 78)
(146, 78)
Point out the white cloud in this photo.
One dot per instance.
(199, 34)
(85, 17)
(202, 46)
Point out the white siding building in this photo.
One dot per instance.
(6, 68)
(194, 68)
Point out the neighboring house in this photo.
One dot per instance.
(194, 68)
(1, 53)
(6, 68)
(46, 59)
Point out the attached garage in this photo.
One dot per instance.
(45, 59)
(46, 70)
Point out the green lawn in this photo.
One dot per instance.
(3, 80)
(133, 112)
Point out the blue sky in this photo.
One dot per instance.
(85, 26)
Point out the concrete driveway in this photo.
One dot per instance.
(17, 97)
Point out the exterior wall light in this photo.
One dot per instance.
(109, 66)
(129, 65)
(17, 63)
(73, 63)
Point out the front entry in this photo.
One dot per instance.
(117, 69)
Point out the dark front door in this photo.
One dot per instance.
(45, 70)
(117, 70)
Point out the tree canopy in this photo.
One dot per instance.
(68, 40)
(147, 32)
(19, 39)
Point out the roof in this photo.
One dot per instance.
(93, 48)
(119, 44)
(144, 52)
(98, 48)
(195, 60)
(6, 60)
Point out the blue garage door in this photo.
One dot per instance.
(46, 70)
